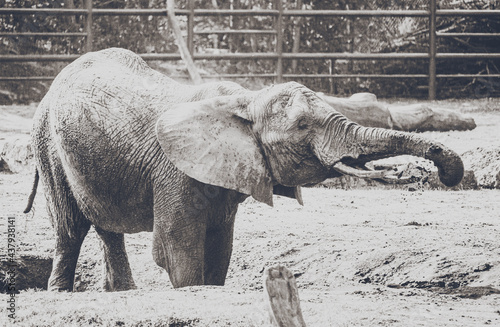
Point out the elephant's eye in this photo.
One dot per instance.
(286, 101)
(302, 124)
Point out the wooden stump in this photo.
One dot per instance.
(283, 297)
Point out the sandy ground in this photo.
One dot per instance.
(361, 257)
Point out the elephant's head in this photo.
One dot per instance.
(281, 138)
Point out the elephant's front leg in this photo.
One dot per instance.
(179, 237)
(218, 248)
(178, 247)
(219, 237)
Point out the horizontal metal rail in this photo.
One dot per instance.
(140, 12)
(467, 76)
(236, 12)
(44, 58)
(249, 12)
(357, 13)
(355, 76)
(235, 32)
(289, 76)
(441, 34)
(96, 12)
(468, 55)
(356, 56)
(234, 56)
(42, 11)
(267, 55)
(467, 12)
(47, 34)
(240, 76)
(390, 13)
(26, 78)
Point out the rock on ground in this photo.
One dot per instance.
(486, 164)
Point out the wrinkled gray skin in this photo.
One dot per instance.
(127, 149)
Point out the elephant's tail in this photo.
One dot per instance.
(33, 192)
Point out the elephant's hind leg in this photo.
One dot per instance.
(71, 226)
(117, 273)
(66, 255)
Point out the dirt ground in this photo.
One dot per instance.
(362, 257)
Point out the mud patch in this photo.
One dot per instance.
(4, 167)
(418, 270)
(464, 292)
(31, 271)
(469, 292)
(81, 320)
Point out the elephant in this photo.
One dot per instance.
(124, 148)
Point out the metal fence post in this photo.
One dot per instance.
(88, 26)
(190, 27)
(432, 50)
(279, 41)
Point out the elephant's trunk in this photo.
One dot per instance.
(362, 144)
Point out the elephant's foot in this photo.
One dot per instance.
(62, 276)
(184, 267)
(63, 270)
(117, 274)
(60, 283)
(114, 282)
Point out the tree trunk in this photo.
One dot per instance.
(364, 109)
(183, 48)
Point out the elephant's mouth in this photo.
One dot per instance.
(403, 174)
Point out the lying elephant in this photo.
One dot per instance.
(127, 149)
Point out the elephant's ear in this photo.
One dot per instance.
(212, 142)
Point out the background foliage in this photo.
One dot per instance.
(151, 34)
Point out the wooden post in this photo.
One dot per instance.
(283, 297)
(432, 50)
(183, 48)
(88, 26)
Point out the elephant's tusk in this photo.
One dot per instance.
(348, 170)
(386, 176)
(401, 180)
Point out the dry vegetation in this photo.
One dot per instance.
(362, 257)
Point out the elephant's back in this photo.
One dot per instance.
(105, 93)
(110, 79)
(98, 118)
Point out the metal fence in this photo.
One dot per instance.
(278, 13)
